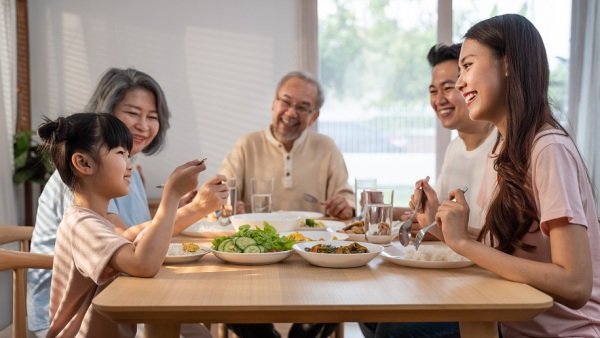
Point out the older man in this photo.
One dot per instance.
(300, 160)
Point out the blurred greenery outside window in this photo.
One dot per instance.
(373, 66)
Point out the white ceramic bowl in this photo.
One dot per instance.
(328, 260)
(281, 222)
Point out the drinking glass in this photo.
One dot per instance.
(360, 184)
(378, 196)
(232, 199)
(378, 223)
(262, 190)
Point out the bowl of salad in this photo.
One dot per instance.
(281, 222)
(253, 246)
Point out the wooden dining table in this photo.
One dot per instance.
(213, 291)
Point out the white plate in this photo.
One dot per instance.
(253, 258)
(174, 255)
(327, 223)
(337, 260)
(360, 237)
(302, 214)
(208, 229)
(317, 235)
(397, 255)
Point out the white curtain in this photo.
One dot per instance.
(584, 83)
(8, 213)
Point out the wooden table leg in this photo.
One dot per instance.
(478, 329)
(152, 330)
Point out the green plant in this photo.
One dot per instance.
(32, 163)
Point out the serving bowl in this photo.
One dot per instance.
(281, 222)
(331, 260)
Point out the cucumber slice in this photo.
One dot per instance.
(230, 247)
(262, 248)
(252, 249)
(244, 242)
(222, 244)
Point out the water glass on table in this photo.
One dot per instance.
(232, 199)
(262, 191)
(360, 184)
(378, 212)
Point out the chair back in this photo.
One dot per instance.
(19, 262)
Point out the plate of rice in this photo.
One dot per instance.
(185, 252)
(431, 256)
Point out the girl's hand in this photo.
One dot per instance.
(184, 178)
(212, 195)
(453, 217)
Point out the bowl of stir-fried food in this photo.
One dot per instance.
(338, 254)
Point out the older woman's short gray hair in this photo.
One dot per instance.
(308, 77)
(112, 88)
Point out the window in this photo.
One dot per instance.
(373, 66)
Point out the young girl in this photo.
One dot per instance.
(136, 99)
(91, 153)
(541, 226)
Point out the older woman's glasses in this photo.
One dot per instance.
(300, 108)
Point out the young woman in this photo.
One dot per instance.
(137, 100)
(91, 153)
(540, 224)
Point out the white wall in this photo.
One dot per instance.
(218, 62)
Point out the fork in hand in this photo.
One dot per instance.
(422, 232)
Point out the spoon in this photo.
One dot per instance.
(404, 233)
(222, 220)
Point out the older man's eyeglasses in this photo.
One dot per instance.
(300, 108)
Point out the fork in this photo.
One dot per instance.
(422, 232)
(310, 198)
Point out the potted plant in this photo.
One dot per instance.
(32, 165)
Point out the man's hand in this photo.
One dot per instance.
(337, 206)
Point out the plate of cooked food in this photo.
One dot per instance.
(314, 236)
(356, 231)
(432, 256)
(338, 254)
(185, 252)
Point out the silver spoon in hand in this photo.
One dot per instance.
(404, 233)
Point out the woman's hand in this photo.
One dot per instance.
(453, 216)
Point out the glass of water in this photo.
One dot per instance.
(378, 212)
(232, 199)
(360, 184)
(262, 191)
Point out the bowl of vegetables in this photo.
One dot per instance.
(253, 246)
(281, 222)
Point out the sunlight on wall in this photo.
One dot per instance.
(227, 71)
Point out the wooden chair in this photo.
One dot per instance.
(19, 262)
